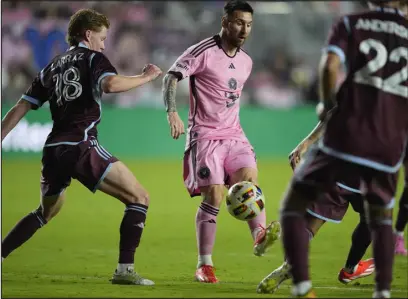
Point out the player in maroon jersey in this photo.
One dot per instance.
(331, 207)
(365, 135)
(73, 84)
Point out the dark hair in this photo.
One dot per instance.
(381, 2)
(234, 5)
(83, 20)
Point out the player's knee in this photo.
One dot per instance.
(378, 215)
(43, 215)
(139, 196)
(313, 223)
(213, 195)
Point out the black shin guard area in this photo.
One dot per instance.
(131, 230)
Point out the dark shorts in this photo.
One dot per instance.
(318, 174)
(88, 162)
(332, 206)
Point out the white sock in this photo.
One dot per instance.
(205, 260)
(400, 234)
(255, 232)
(382, 294)
(301, 288)
(124, 267)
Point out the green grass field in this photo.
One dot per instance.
(76, 253)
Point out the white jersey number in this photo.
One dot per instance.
(392, 84)
(67, 85)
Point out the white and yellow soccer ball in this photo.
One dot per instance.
(245, 201)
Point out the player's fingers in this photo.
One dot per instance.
(176, 130)
(180, 129)
(177, 134)
(172, 130)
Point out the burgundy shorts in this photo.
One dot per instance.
(332, 206)
(319, 173)
(88, 162)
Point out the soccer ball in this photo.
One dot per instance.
(245, 201)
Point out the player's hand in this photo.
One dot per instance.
(176, 125)
(151, 71)
(296, 155)
(294, 158)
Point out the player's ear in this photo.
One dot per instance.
(88, 35)
(224, 21)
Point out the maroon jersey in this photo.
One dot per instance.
(71, 85)
(369, 126)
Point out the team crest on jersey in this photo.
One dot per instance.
(232, 84)
(231, 96)
(204, 172)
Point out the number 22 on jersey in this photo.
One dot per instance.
(392, 84)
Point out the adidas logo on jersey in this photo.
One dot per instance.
(231, 66)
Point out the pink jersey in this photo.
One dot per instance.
(216, 83)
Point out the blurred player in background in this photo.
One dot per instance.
(73, 84)
(217, 151)
(329, 207)
(366, 130)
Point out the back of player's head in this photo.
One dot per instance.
(392, 3)
(83, 20)
(234, 5)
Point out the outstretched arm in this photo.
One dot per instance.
(12, 118)
(120, 83)
(297, 153)
(169, 98)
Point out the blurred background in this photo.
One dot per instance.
(285, 44)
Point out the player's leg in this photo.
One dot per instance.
(120, 183)
(295, 240)
(55, 178)
(355, 267)
(240, 165)
(26, 227)
(272, 282)
(329, 207)
(313, 177)
(206, 227)
(381, 189)
(402, 217)
(97, 169)
(204, 175)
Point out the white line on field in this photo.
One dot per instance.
(166, 282)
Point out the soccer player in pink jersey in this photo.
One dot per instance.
(217, 152)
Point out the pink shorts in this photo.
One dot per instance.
(212, 162)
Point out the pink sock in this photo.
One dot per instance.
(255, 223)
(206, 226)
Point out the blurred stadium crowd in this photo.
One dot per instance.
(285, 44)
